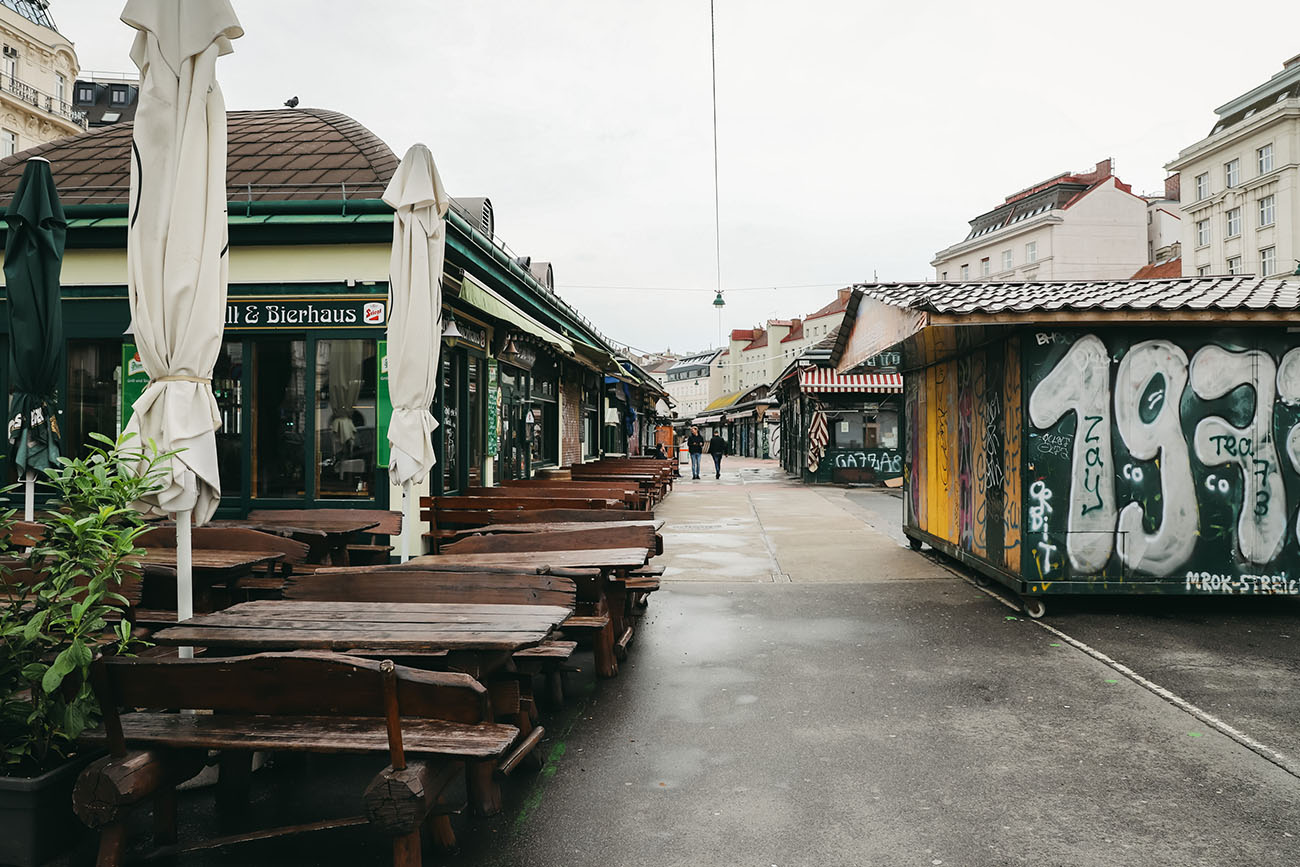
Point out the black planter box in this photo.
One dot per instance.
(36, 819)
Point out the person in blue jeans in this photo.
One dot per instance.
(695, 446)
(717, 448)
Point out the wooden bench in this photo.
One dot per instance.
(240, 538)
(301, 702)
(628, 491)
(451, 513)
(403, 584)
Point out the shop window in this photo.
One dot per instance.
(227, 388)
(887, 425)
(94, 373)
(473, 418)
(848, 429)
(544, 419)
(279, 418)
(345, 418)
(449, 390)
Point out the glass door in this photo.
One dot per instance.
(279, 419)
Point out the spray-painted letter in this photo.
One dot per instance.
(1080, 383)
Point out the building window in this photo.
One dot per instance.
(1232, 222)
(1202, 270)
(943, 276)
(1232, 173)
(85, 94)
(1267, 207)
(118, 96)
(8, 143)
(1031, 252)
(60, 88)
(1234, 265)
(1265, 155)
(346, 418)
(11, 63)
(965, 270)
(1006, 260)
(542, 420)
(1202, 232)
(1267, 261)
(94, 369)
(1202, 185)
(984, 267)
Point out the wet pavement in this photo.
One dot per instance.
(806, 691)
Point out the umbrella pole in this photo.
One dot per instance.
(406, 522)
(184, 576)
(29, 496)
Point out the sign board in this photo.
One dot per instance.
(383, 407)
(524, 355)
(313, 311)
(493, 408)
(472, 335)
(134, 379)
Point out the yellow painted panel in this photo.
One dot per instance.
(1011, 510)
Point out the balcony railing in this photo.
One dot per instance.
(24, 92)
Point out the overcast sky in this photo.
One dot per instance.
(854, 138)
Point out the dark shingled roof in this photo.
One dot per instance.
(1192, 293)
(277, 155)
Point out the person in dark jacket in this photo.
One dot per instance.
(717, 448)
(695, 446)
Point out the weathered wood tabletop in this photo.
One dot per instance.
(326, 534)
(215, 561)
(598, 558)
(549, 527)
(376, 627)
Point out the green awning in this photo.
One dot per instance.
(484, 299)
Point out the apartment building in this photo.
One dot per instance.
(1086, 225)
(1241, 211)
(755, 356)
(37, 68)
(690, 383)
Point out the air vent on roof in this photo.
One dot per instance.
(10, 51)
(543, 274)
(477, 212)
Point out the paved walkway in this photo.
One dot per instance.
(806, 692)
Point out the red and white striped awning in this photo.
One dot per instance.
(824, 379)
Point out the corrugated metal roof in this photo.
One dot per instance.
(1188, 293)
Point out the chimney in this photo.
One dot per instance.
(1103, 170)
(843, 294)
(1171, 187)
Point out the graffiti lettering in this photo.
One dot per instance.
(1160, 440)
(1041, 509)
(1214, 373)
(1080, 384)
(1045, 338)
(1052, 445)
(881, 462)
(1242, 585)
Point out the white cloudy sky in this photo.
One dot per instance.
(855, 138)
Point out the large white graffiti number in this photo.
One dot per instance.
(1288, 388)
(1080, 383)
(1159, 440)
(1214, 373)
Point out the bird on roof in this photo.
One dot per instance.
(291, 102)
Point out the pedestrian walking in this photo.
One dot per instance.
(717, 448)
(695, 446)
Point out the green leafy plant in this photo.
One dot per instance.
(60, 602)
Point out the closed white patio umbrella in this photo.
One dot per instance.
(414, 320)
(176, 250)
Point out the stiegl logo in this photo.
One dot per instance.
(373, 313)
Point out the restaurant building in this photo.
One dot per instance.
(1133, 436)
(301, 382)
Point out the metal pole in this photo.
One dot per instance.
(406, 522)
(184, 576)
(29, 496)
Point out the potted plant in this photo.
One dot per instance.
(59, 605)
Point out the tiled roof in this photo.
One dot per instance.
(796, 332)
(273, 155)
(1192, 293)
(1163, 270)
(837, 306)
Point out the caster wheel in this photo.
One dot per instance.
(1034, 607)
(914, 543)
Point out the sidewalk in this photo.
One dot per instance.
(752, 525)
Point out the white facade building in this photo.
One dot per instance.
(37, 71)
(690, 383)
(1073, 226)
(1241, 210)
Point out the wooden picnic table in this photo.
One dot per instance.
(212, 566)
(604, 559)
(546, 527)
(474, 636)
(326, 534)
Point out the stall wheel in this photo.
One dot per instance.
(1034, 607)
(915, 543)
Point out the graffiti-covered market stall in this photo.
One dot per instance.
(1107, 437)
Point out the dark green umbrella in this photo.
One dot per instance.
(33, 260)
